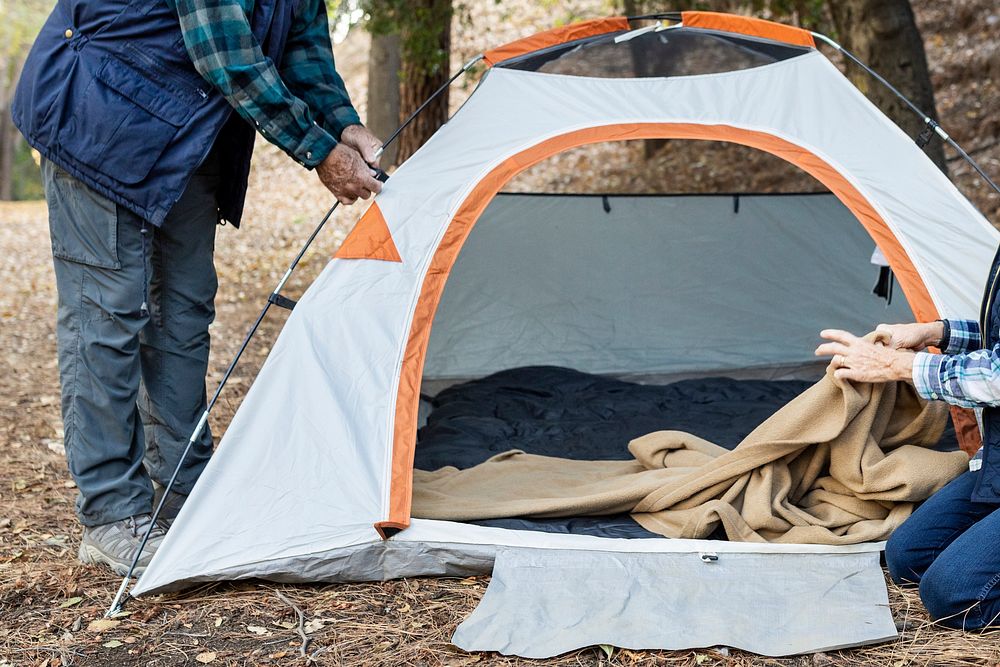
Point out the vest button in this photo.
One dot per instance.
(68, 33)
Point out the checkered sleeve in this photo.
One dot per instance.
(219, 40)
(960, 336)
(969, 380)
(309, 69)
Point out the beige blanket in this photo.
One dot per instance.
(840, 464)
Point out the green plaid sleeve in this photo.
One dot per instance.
(218, 38)
(309, 70)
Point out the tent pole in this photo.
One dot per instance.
(121, 597)
(931, 124)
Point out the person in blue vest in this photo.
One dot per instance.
(949, 546)
(145, 114)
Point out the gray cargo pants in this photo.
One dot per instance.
(135, 304)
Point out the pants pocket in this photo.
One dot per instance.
(83, 225)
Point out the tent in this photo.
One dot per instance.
(443, 280)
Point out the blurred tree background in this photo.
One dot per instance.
(411, 56)
(20, 21)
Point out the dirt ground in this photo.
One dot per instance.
(51, 606)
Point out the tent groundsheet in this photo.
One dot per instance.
(541, 603)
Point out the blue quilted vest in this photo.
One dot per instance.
(988, 485)
(110, 94)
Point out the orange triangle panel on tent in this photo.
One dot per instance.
(370, 239)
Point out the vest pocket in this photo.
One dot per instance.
(124, 121)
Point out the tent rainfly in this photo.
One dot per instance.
(312, 481)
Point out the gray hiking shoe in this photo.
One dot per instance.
(175, 501)
(114, 544)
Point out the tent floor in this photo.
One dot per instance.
(561, 412)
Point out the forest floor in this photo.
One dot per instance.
(51, 606)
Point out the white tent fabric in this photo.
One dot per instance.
(306, 467)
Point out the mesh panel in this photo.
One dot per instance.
(672, 52)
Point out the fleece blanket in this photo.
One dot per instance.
(839, 464)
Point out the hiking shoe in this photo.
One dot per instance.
(114, 544)
(175, 501)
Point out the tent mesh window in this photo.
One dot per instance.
(664, 53)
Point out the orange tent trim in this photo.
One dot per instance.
(408, 394)
(745, 25)
(554, 37)
(370, 239)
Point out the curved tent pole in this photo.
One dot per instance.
(928, 121)
(275, 298)
(931, 124)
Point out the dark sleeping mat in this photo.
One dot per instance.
(562, 412)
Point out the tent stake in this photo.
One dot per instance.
(121, 597)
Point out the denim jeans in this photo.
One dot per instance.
(951, 547)
(135, 304)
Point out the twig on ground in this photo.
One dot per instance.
(301, 628)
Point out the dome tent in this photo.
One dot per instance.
(312, 481)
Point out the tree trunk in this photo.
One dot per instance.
(383, 91)
(884, 35)
(9, 139)
(9, 136)
(423, 75)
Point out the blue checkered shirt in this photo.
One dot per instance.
(964, 374)
(300, 104)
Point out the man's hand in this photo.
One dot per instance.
(345, 174)
(360, 139)
(910, 336)
(858, 360)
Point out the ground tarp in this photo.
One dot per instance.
(772, 604)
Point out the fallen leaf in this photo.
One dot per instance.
(257, 630)
(70, 602)
(103, 625)
(206, 657)
(218, 621)
(314, 625)
(609, 650)
(287, 625)
(114, 643)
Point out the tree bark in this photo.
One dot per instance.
(884, 35)
(422, 77)
(9, 136)
(383, 91)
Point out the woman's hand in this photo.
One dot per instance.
(910, 336)
(857, 360)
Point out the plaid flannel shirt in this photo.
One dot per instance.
(964, 375)
(301, 105)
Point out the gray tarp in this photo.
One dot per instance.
(541, 603)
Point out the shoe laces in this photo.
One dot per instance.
(139, 523)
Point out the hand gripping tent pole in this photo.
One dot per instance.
(275, 298)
